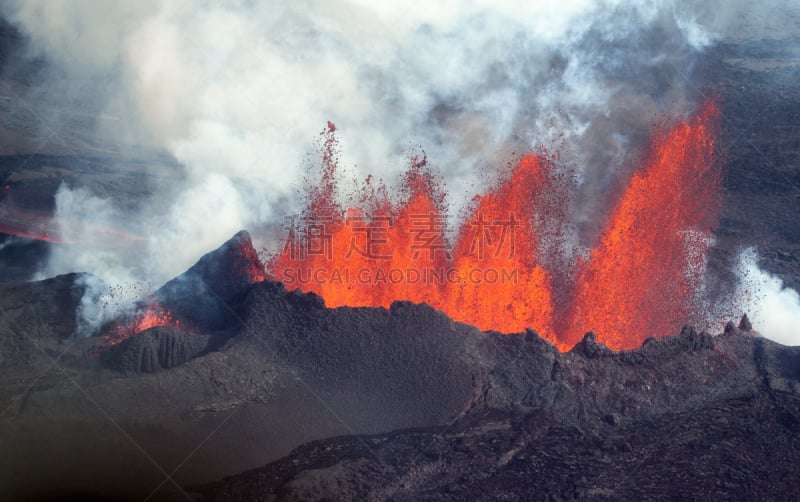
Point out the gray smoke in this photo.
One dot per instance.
(238, 92)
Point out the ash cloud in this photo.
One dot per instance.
(237, 93)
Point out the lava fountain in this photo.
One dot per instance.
(643, 274)
(638, 280)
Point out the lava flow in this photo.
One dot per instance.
(638, 281)
(151, 315)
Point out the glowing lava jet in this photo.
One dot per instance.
(638, 281)
(642, 276)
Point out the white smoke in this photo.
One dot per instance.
(96, 221)
(238, 91)
(773, 309)
(82, 214)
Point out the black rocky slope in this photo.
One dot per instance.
(347, 352)
(687, 416)
(156, 349)
(733, 449)
(208, 295)
(291, 371)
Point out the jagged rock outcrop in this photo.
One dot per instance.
(208, 295)
(590, 347)
(744, 324)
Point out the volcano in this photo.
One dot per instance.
(286, 375)
(461, 400)
(493, 277)
(205, 298)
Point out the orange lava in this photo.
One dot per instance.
(637, 282)
(151, 316)
(30, 225)
(31, 233)
(641, 277)
(503, 237)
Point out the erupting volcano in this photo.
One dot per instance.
(639, 280)
(540, 250)
(151, 315)
(197, 301)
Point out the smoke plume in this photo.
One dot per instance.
(237, 93)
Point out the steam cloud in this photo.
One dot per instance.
(773, 309)
(237, 94)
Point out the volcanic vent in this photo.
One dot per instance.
(188, 315)
(507, 266)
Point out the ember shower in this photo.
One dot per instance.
(236, 94)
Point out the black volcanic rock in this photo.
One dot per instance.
(590, 347)
(692, 340)
(348, 361)
(744, 324)
(352, 359)
(736, 449)
(38, 322)
(156, 349)
(208, 296)
(45, 308)
(296, 371)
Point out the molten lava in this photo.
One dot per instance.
(150, 316)
(638, 281)
(503, 237)
(641, 278)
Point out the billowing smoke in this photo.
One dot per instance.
(82, 214)
(773, 308)
(238, 92)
